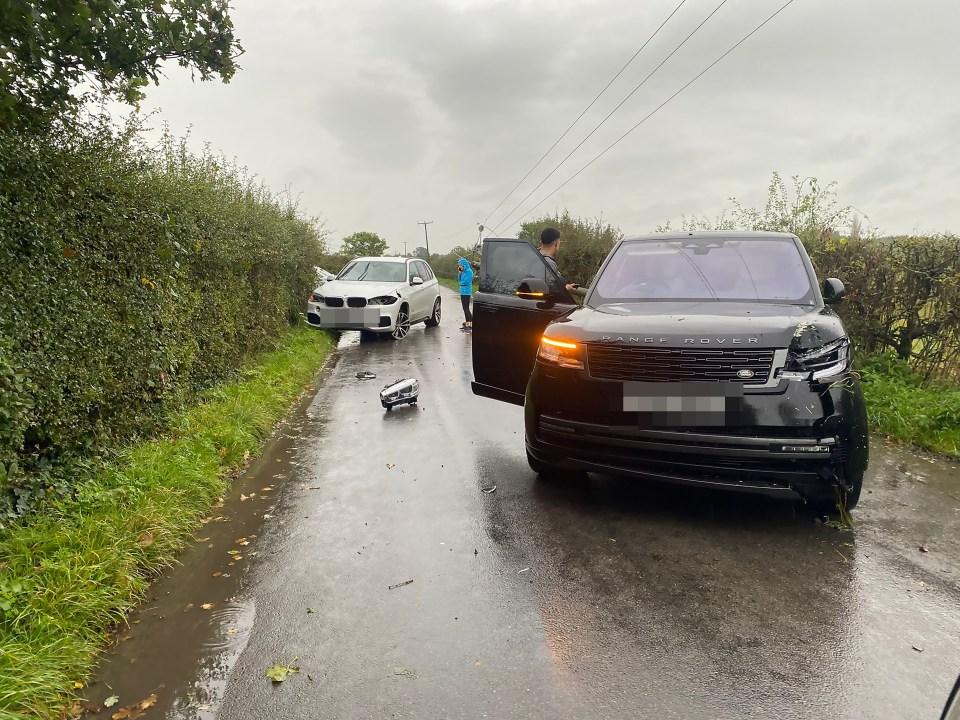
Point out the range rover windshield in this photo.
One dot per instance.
(765, 269)
(374, 271)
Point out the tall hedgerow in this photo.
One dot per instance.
(131, 277)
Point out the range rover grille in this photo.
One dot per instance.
(658, 364)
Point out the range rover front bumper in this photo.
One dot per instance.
(794, 438)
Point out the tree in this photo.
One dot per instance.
(421, 252)
(364, 243)
(50, 48)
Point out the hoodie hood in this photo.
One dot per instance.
(463, 263)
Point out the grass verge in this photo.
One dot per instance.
(901, 406)
(72, 573)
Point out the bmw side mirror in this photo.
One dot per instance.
(833, 291)
(532, 289)
(416, 280)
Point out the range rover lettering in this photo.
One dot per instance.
(706, 358)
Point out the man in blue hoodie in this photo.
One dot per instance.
(465, 272)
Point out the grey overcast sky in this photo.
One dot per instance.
(377, 114)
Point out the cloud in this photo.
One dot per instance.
(380, 114)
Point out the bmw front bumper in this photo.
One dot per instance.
(372, 318)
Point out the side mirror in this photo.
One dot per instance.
(532, 289)
(833, 291)
(416, 280)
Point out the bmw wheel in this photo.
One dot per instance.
(402, 326)
(434, 318)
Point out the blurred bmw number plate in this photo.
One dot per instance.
(349, 316)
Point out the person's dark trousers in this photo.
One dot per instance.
(465, 301)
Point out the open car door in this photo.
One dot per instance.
(518, 295)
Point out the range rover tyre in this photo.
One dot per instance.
(546, 471)
(434, 318)
(828, 504)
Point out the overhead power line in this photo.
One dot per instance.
(610, 114)
(584, 111)
(656, 109)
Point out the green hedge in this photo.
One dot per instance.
(133, 277)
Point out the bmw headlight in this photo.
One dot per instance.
(316, 298)
(820, 363)
(382, 300)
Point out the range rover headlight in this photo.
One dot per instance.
(562, 353)
(820, 363)
(382, 300)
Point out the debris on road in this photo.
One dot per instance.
(523, 571)
(111, 701)
(489, 490)
(131, 712)
(278, 673)
(918, 649)
(923, 548)
(405, 672)
(366, 375)
(400, 584)
(405, 390)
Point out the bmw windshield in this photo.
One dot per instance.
(374, 271)
(766, 269)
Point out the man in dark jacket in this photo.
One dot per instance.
(549, 247)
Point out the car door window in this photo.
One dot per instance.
(506, 264)
(411, 270)
(427, 271)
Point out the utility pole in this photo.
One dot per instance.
(426, 238)
(404, 248)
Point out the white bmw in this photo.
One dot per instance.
(377, 295)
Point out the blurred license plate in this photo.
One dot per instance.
(682, 404)
(349, 316)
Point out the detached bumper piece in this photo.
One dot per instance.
(399, 392)
(774, 464)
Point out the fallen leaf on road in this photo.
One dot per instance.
(523, 571)
(78, 686)
(111, 701)
(310, 611)
(233, 552)
(203, 539)
(231, 631)
(489, 490)
(278, 673)
(400, 584)
(405, 672)
(243, 498)
(207, 606)
(391, 466)
(923, 548)
(918, 649)
(131, 712)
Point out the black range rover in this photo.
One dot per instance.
(706, 358)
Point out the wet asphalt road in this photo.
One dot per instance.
(610, 599)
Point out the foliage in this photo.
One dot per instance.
(93, 565)
(48, 48)
(446, 265)
(361, 244)
(584, 244)
(809, 210)
(903, 295)
(421, 253)
(133, 278)
(900, 405)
